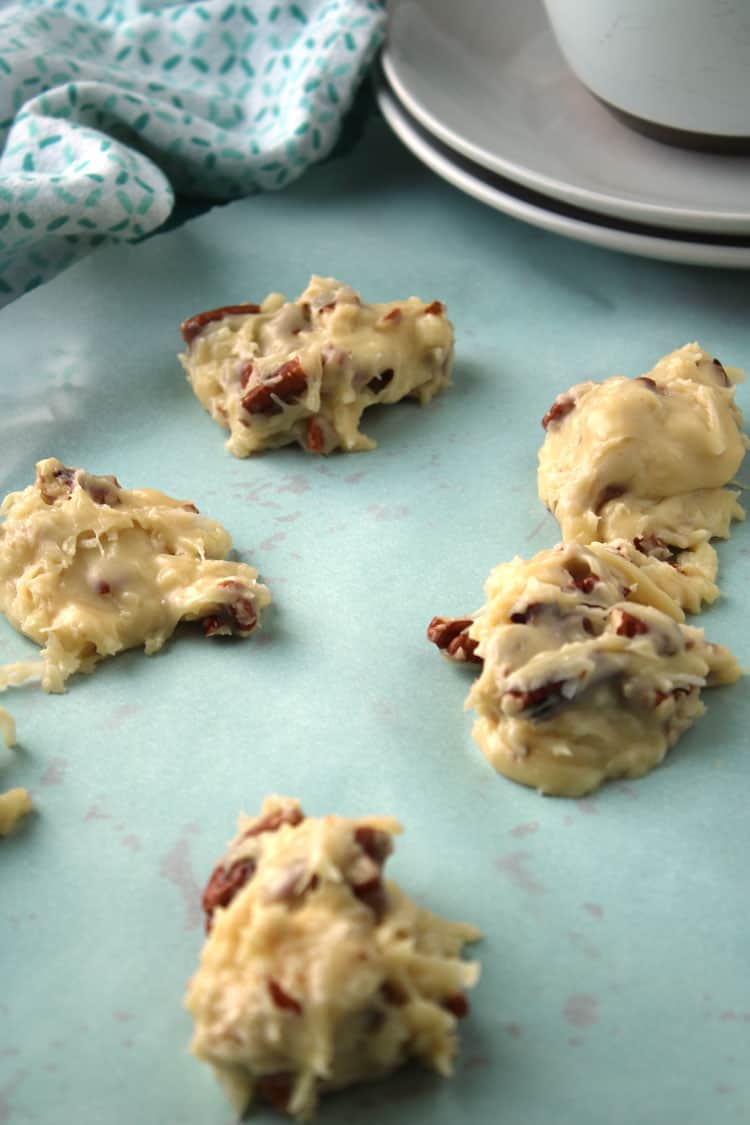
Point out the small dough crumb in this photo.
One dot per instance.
(317, 974)
(88, 568)
(646, 458)
(588, 673)
(7, 728)
(304, 371)
(15, 804)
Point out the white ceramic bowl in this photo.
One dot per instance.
(677, 68)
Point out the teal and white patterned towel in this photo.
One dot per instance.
(110, 107)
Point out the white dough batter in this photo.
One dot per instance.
(587, 672)
(304, 371)
(316, 973)
(88, 568)
(648, 457)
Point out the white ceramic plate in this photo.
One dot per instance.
(487, 79)
(503, 195)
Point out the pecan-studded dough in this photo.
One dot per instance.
(647, 457)
(587, 672)
(304, 371)
(88, 568)
(645, 571)
(317, 973)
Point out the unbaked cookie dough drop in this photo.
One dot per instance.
(316, 972)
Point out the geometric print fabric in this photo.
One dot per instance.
(108, 109)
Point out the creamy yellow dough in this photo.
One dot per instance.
(15, 803)
(647, 457)
(304, 371)
(88, 568)
(588, 672)
(316, 973)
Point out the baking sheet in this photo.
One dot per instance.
(614, 968)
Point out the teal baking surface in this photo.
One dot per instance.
(615, 984)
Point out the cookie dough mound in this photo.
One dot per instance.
(636, 458)
(88, 568)
(588, 673)
(304, 371)
(316, 973)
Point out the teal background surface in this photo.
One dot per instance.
(615, 984)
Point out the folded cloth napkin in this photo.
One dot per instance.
(108, 108)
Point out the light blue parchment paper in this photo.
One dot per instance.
(614, 968)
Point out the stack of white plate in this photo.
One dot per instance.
(479, 91)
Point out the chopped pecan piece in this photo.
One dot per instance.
(457, 1004)
(245, 374)
(381, 381)
(541, 702)
(583, 576)
(375, 844)
(651, 384)
(654, 547)
(239, 615)
(628, 625)
(282, 999)
(102, 490)
(610, 492)
(562, 405)
(244, 614)
(437, 308)
(723, 377)
(56, 482)
(224, 884)
(523, 616)
(451, 635)
(194, 325)
(463, 648)
(660, 696)
(282, 387)
(315, 439)
(442, 630)
(276, 1089)
(393, 317)
(393, 993)
(274, 821)
(218, 624)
